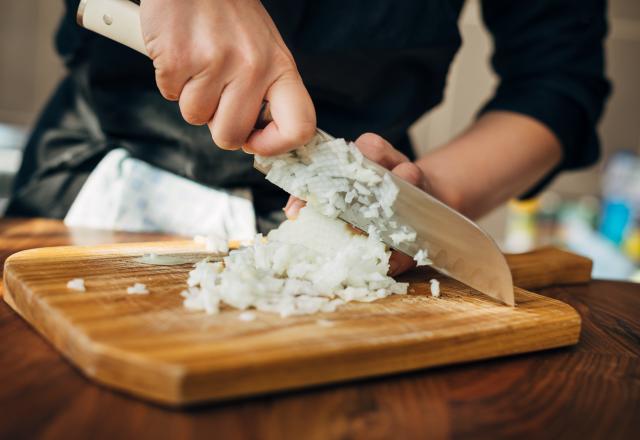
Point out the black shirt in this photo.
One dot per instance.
(369, 65)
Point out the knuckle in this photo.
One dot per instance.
(214, 57)
(374, 147)
(226, 140)
(167, 79)
(410, 172)
(193, 115)
(168, 90)
(299, 134)
(169, 63)
(152, 44)
(254, 62)
(168, 94)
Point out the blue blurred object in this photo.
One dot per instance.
(616, 217)
(621, 196)
(608, 261)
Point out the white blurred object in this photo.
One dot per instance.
(12, 137)
(77, 284)
(435, 287)
(213, 243)
(127, 194)
(9, 161)
(138, 289)
(608, 262)
(621, 177)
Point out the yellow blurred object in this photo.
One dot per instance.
(631, 245)
(529, 206)
(521, 225)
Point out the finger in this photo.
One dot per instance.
(412, 173)
(294, 118)
(170, 77)
(377, 149)
(236, 114)
(399, 263)
(289, 202)
(199, 99)
(294, 205)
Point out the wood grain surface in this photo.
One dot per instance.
(152, 347)
(547, 267)
(590, 390)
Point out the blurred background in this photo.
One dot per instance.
(595, 212)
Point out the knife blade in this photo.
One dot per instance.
(456, 245)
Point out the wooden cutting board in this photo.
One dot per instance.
(150, 346)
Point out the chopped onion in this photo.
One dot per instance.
(138, 289)
(308, 265)
(247, 316)
(435, 288)
(334, 179)
(76, 284)
(213, 243)
(421, 258)
(317, 262)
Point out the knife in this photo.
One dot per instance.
(456, 245)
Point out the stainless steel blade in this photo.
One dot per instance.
(456, 245)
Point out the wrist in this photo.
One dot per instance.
(438, 185)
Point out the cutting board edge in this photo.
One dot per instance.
(108, 249)
(188, 387)
(182, 388)
(82, 353)
(176, 391)
(568, 338)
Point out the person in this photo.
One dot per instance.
(362, 70)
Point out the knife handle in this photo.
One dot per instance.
(119, 20)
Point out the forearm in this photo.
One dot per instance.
(499, 157)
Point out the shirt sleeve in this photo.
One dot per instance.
(549, 56)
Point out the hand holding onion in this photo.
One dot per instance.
(377, 149)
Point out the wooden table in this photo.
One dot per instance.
(588, 391)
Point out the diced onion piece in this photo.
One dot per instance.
(213, 243)
(138, 289)
(76, 284)
(435, 288)
(247, 316)
(421, 258)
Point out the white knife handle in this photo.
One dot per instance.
(118, 20)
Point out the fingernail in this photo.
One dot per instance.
(293, 210)
(289, 202)
(247, 150)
